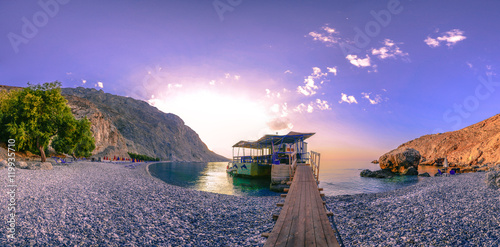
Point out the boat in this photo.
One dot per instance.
(274, 157)
(256, 158)
(230, 168)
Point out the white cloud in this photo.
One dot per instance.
(288, 71)
(323, 38)
(450, 38)
(310, 86)
(373, 101)
(100, 84)
(431, 42)
(317, 72)
(329, 36)
(227, 75)
(359, 62)
(284, 110)
(322, 105)
(270, 94)
(275, 108)
(237, 77)
(332, 70)
(300, 108)
(389, 50)
(329, 29)
(348, 99)
(310, 108)
(280, 123)
(304, 108)
(212, 82)
(170, 86)
(69, 73)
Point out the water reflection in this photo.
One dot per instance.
(337, 178)
(210, 177)
(342, 178)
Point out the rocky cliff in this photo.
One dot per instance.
(122, 124)
(478, 144)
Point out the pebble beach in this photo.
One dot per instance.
(458, 210)
(102, 204)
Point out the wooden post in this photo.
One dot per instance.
(319, 158)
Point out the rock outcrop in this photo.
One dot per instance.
(475, 145)
(22, 164)
(492, 178)
(400, 160)
(45, 166)
(108, 140)
(377, 174)
(122, 124)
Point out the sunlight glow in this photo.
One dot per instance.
(220, 119)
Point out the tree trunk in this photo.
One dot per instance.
(42, 151)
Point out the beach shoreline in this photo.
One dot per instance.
(457, 210)
(108, 204)
(87, 203)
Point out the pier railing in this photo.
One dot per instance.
(315, 162)
(292, 163)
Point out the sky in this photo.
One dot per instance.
(365, 76)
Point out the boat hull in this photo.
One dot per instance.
(251, 169)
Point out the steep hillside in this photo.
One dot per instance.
(122, 124)
(473, 145)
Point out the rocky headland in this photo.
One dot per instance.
(473, 146)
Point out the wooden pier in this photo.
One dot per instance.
(303, 219)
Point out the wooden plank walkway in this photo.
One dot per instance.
(303, 220)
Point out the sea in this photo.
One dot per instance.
(336, 178)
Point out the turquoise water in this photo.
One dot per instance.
(337, 178)
(211, 177)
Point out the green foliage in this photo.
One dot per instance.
(34, 115)
(75, 138)
(142, 157)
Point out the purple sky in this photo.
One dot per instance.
(365, 75)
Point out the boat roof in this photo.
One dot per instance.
(268, 140)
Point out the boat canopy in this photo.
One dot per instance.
(270, 140)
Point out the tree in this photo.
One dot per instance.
(38, 113)
(75, 138)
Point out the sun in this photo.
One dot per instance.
(220, 118)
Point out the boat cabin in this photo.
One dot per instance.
(255, 158)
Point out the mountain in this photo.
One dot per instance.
(122, 124)
(470, 146)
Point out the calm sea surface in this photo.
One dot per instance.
(337, 178)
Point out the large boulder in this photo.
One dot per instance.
(46, 166)
(22, 165)
(377, 174)
(32, 166)
(412, 171)
(3, 163)
(493, 179)
(399, 160)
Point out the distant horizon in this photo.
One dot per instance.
(365, 76)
